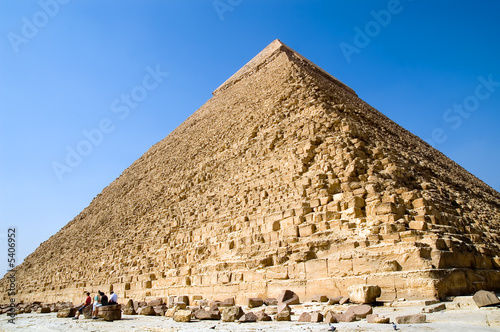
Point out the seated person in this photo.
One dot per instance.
(87, 302)
(113, 298)
(104, 301)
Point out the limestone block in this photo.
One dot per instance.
(110, 312)
(319, 298)
(484, 298)
(305, 317)
(255, 302)
(316, 268)
(182, 316)
(363, 293)
(411, 319)
(231, 314)
(248, 318)
(360, 311)
(306, 230)
(376, 319)
(418, 225)
(288, 297)
(263, 317)
(283, 316)
(66, 313)
(147, 311)
(277, 272)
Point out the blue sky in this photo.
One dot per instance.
(67, 66)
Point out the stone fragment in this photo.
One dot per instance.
(147, 311)
(43, 310)
(345, 317)
(360, 311)
(65, 313)
(180, 305)
(330, 317)
(305, 317)
(255, 302)
(229, 302)
(344, 300)
(130, 304)
(283, 306)
(248, 318)
(363, 293)
(156, 302)
(484, 298)
(129, 311)
(320, 298)
(334, 300)
(263, 317)
(231, 314)
(283, 316)
(271, 301)
(411, 319)
(182, 316)
(316, 317)
(376, 319)
(434, 308)
(271, 310)
(288, 297)
(183, 298)
(212, 314)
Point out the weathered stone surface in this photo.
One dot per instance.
(288, 297)
(305, 317)
(411, 319)
(231, 314)
(248, 318)
(376, 319)
(283, 316)
(316, 317)
(330, 317)
(182, 316)
(66, 313)
(212, 314)
(184, 299)
(271, 310)
(263, 316)
(434, 308)
(484, 298)
(229, 302)
(360, 311)
(345, 317)
(43, 310)
(110, 312)
(319, 298)
(255, 302)
(334, 300)
(363, 293)
(344, 300)
(155, 302)
(147, 311)
(271, 301)
(129, 311)
(283, 162)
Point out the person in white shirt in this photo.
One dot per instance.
(113, 298)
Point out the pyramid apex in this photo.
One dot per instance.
(275, 47)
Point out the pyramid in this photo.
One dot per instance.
(284, 179)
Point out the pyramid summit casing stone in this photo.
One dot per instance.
(284, 179)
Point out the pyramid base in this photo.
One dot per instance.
(410, 285)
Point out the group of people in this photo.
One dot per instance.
(100, 299)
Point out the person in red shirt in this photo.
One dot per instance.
(88, 301)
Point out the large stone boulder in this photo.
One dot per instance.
(271, 301)
(231, 314)
(229, 302)
(283, 316)
(288, 297)
(316, 317)
(212, 314)
(110, 312)
(66, 313)
(484, 298)
(43, 310)
(155, 302)
(363, 293)
(305, 317)
(320, 298)
(376, 319)
(147, 311)
(360, 311)
(182, 316)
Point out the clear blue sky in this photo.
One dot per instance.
(65, 67)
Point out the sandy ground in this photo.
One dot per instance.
(463, 319)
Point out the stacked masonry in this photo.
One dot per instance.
(285, 179)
